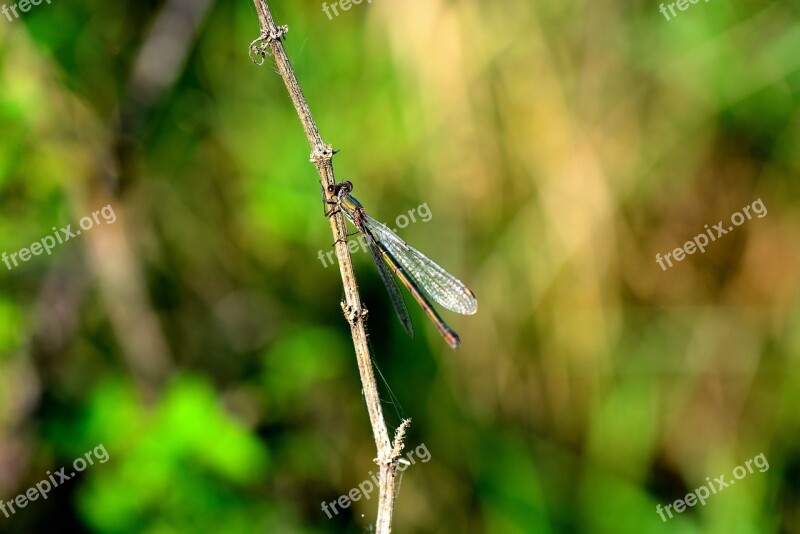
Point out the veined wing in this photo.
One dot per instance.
(440, 285)
(391, 286)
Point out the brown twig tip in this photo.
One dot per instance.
(399, 440)
(260, 45)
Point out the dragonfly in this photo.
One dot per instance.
(419, 274)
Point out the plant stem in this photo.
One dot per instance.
(354, 311)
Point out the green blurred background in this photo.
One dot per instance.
(559, 147)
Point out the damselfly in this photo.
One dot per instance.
(421, 275)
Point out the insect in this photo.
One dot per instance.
(419, 274)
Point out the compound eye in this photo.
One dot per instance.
(330, 189)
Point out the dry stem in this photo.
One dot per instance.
(270, 40)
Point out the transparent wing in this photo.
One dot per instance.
(391, 287)
(442, 286)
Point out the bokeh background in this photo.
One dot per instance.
(559, 146)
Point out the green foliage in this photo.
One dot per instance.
(183, 465)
